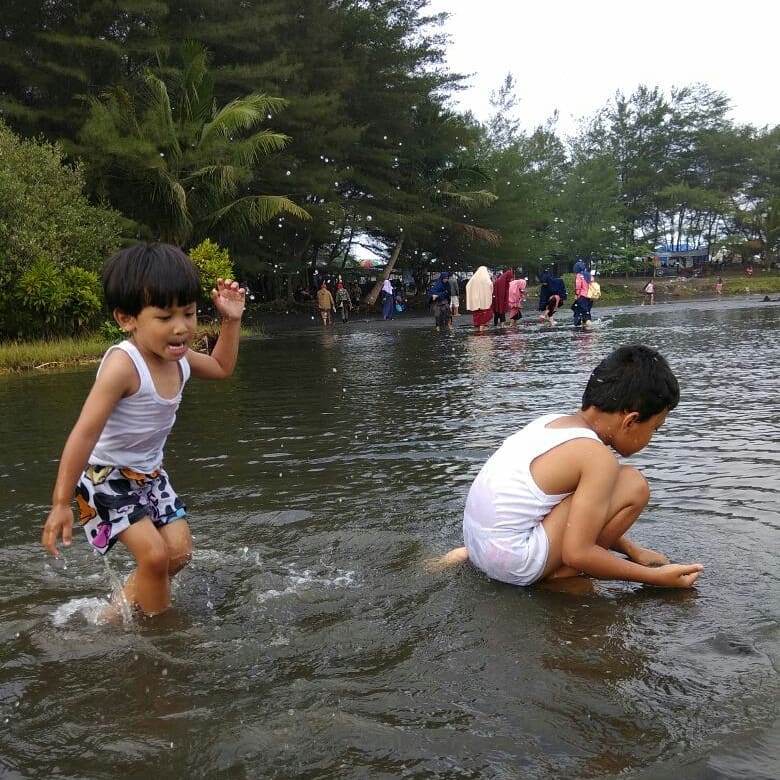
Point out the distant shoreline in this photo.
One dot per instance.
(67, 354)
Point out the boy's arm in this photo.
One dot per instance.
(588, 517)
(117, 378)
(229, 300)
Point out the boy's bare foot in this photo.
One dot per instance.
(450, 560)
(647, 557)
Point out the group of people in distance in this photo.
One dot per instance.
(500, 300)
(327, 303)
(553, 293)
(486, 299)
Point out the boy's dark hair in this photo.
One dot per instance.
(634, 378)
(150, 275)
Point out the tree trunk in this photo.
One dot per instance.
(370, 299)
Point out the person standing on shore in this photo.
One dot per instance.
(719, 286)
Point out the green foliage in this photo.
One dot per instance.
(57, 301)
(363, 137)
(175, 162)
(51, 352)
(54, 53)
(110, 331)
(52, 241)
(213, 263)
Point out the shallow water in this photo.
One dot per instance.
(307, 641)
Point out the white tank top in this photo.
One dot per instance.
(504, 500)
(135, 434)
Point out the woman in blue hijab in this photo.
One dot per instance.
(439, 298)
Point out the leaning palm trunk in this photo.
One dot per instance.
(370, 299)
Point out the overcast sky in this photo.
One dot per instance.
(572, 55)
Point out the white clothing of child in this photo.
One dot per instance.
(502, 522)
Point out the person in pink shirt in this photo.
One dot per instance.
(516, 298)
(582, 303)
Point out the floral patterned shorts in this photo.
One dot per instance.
(111, 499)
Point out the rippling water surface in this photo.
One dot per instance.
(308, 642)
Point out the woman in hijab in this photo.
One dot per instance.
(501, 297)
(439, 298)
(479, 297)
(516, 298)
(582, 302)
(388, 300)
(552, 293)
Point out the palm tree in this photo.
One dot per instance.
(178, 164)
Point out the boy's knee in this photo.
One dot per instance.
(638, 487)
(155, 560)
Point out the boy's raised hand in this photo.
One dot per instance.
(677, 575)
(229, 299)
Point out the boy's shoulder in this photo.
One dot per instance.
(566, 467)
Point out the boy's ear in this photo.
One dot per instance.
(629, 418)
(125, 321)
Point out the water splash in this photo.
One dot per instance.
(118, 598)
(91, 609)
(97, 610)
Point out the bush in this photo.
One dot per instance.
(52, 241)
(54, 302)
(213, 262)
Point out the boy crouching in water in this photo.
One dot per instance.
(114, 454)
(553, 501)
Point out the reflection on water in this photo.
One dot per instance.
(307, 641)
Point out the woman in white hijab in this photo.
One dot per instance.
(388, 300)
(479, 297)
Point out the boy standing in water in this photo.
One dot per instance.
(554, 502)
(114, 454)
